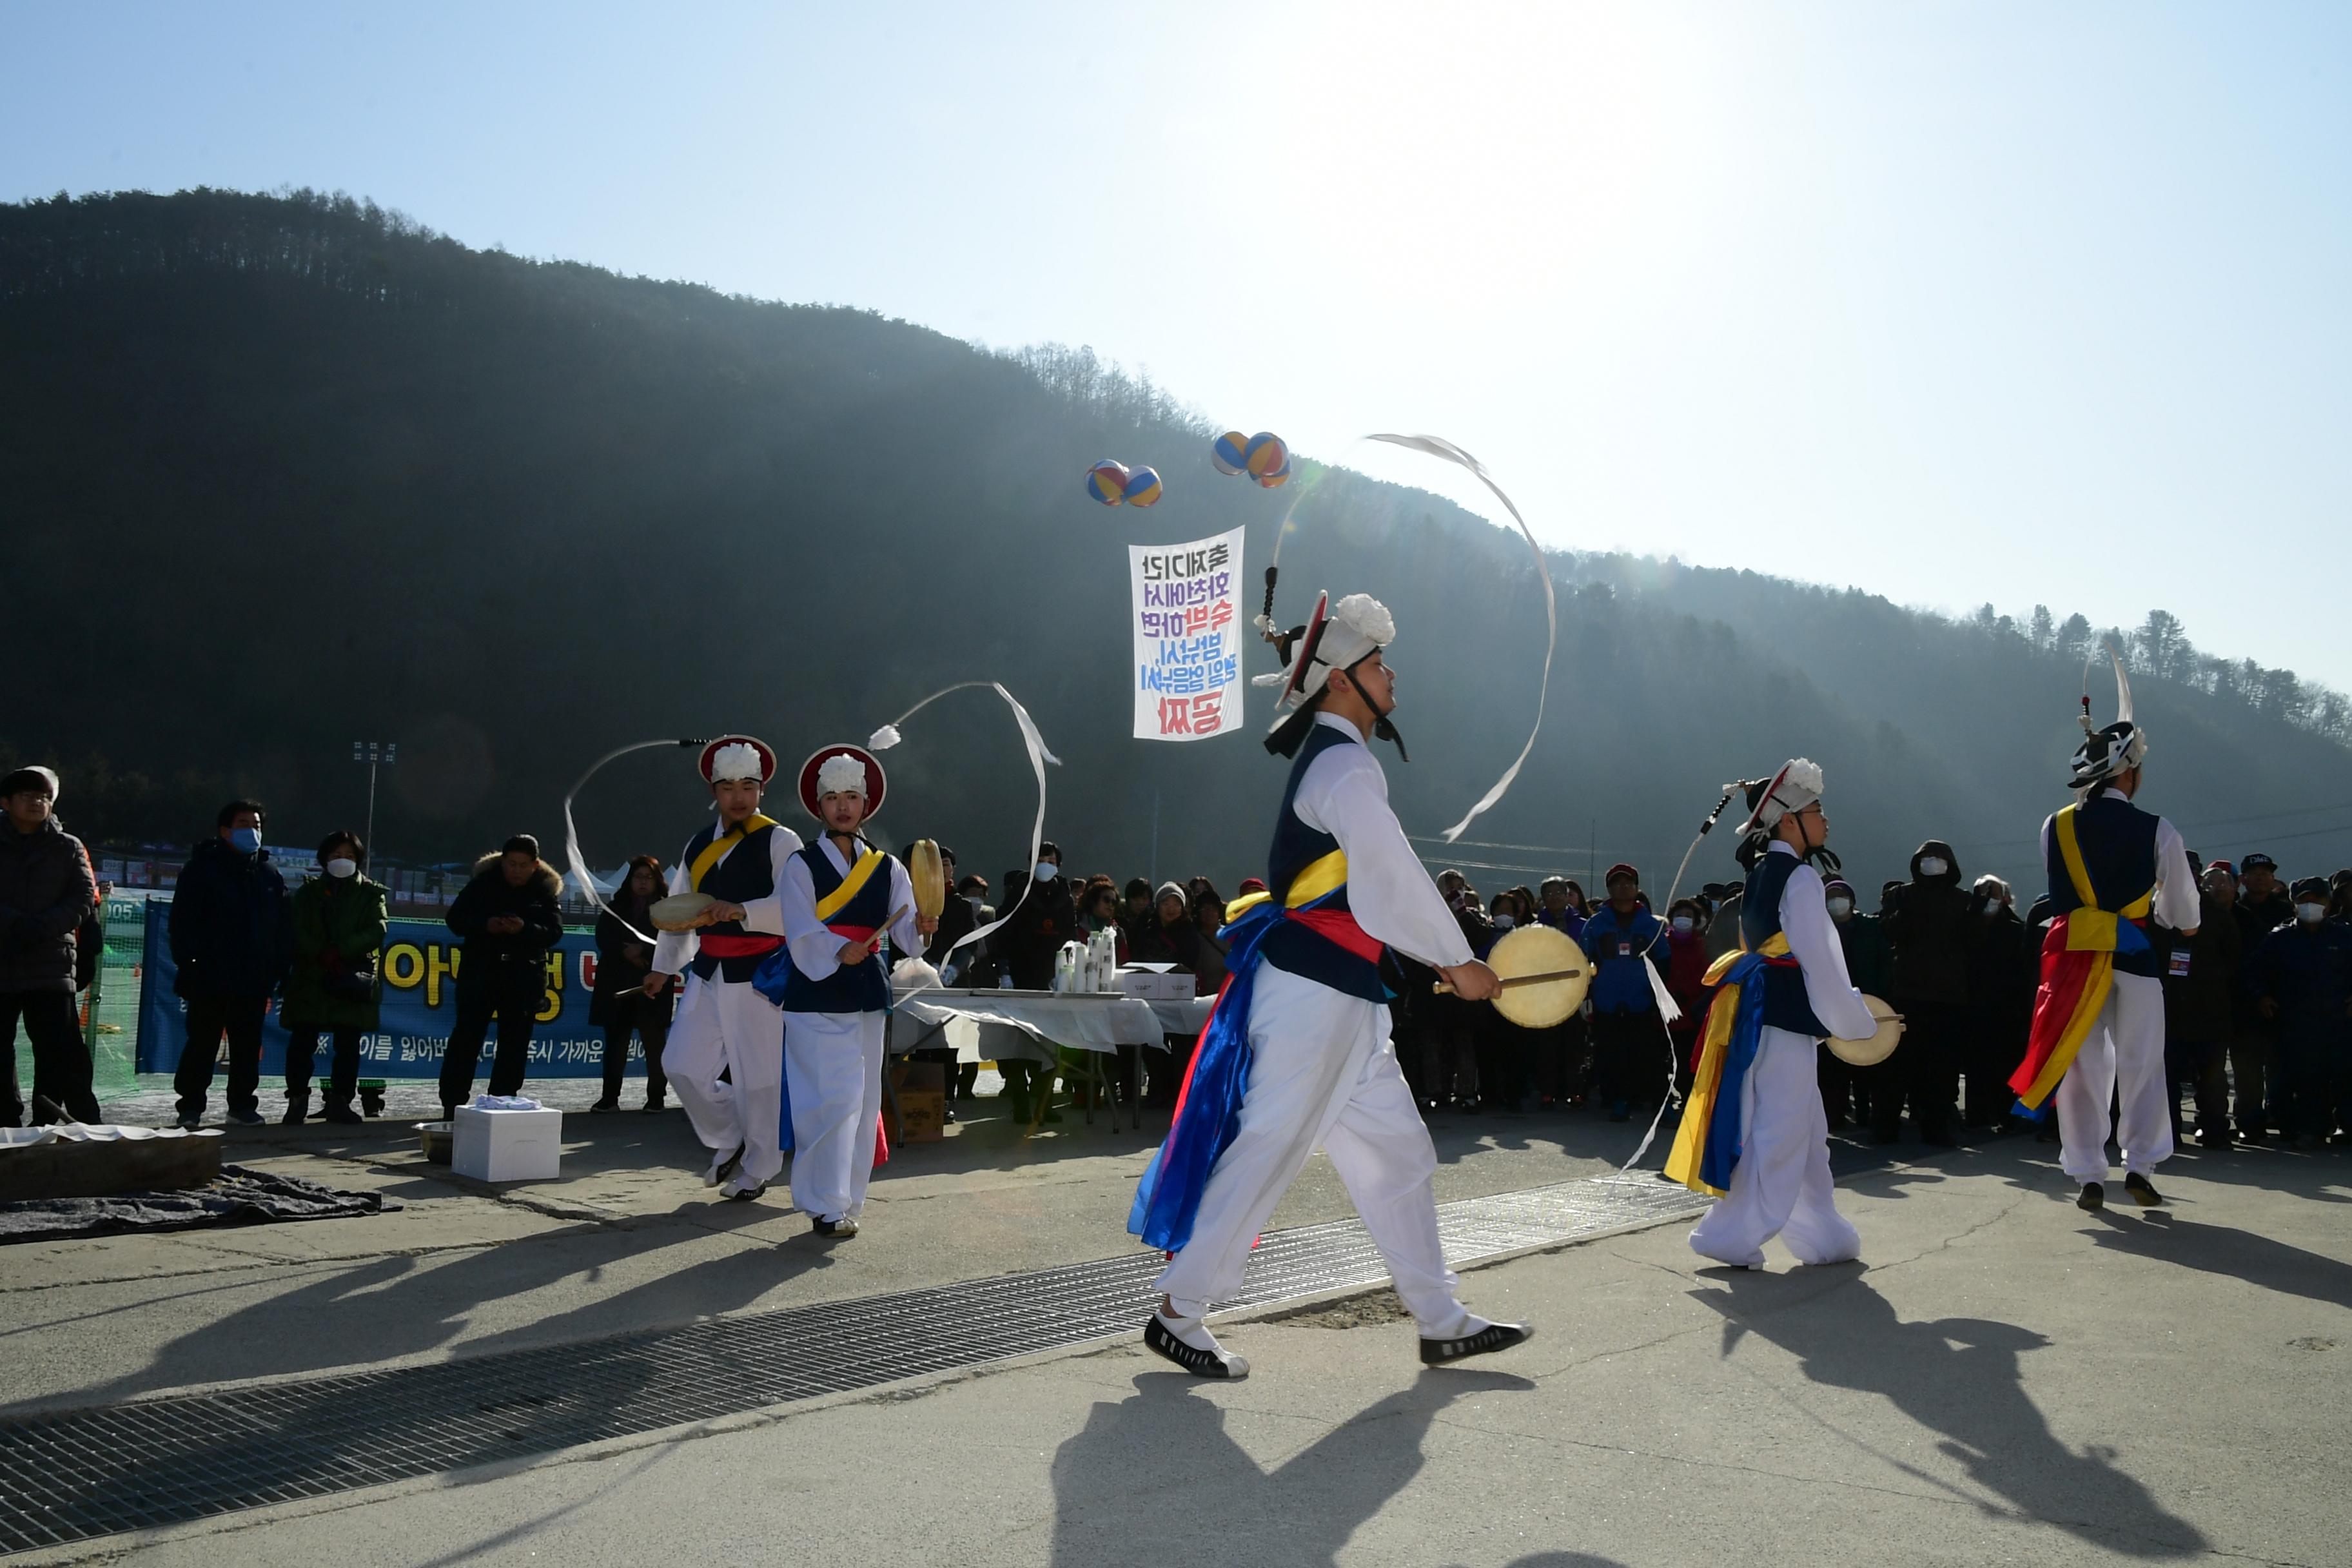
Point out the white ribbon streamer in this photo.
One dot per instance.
(887, 736)
(576, 863)
(1438, 446)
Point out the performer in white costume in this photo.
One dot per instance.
(1297, 1055)
(722, 1021)
(841, 896)
(2098, 1018)
(1754, 1130)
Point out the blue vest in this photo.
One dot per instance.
(747, 875)
(1786, 1006)
(2118, 840)
(1300, 949)
(852, 988)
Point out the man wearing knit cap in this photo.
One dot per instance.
(723, 1021)
(841, 897)
(1296, 1054)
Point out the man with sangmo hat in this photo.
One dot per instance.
(723, 1021)
(1754, 1130)
(1296, 1054)
(2098, 1017)
(841, 895)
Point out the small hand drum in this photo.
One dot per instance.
(928, 876)
(679, 912)
(1880, 1046)
(1545, 976)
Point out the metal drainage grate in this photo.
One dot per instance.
(76, 1474)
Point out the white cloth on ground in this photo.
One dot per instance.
(674, 949)
(730, 1025)
(833, 1063)
(1344, 793)
(1322, 1073)
(2124, 1053)
(1781, 1185)
(816, 951)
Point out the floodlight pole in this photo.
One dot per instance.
(375, 754)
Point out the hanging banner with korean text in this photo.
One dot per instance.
(1188, 637)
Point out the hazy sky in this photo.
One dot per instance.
(1956, 302)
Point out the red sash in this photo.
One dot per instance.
(1339, 927)
(746, 944)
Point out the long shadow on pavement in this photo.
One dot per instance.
(1960, 1377)
(1155, 1479)
(2228, 1251)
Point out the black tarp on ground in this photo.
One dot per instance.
(240, 1196)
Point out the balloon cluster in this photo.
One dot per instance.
(1114, 484)
(1262, 457)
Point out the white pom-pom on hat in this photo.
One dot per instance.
(841, 774)
(738, 761)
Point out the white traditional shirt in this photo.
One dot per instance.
(1813, 943)
(1346, 794)
(816, 951)
(2177, 905)
(674, 949)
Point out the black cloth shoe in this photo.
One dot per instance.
(843, 1228)
(2093, 1197)
(609, 1102)
(343, 1116)
(1485, 1341)
(298, 1106)
(1192, 1358)
(2142, 1190)
(652, 1108)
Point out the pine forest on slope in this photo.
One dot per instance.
(288, 470)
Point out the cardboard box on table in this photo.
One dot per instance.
(921, 1090)
(508, 1145)
(1156, 983)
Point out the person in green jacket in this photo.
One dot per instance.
(332, 987)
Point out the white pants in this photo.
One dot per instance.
(2123, 1054)
(833, 1061)
(1782, 1185)
(1321, 1073)
(724, 1024)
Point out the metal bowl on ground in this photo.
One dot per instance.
(436, 1137)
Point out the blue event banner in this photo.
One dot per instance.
(419, 1004)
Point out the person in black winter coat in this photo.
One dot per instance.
(2004, 972)
(2260, 907)
(47, 896)
(1930, 924)
(232, 931)
(2202, 974)
(1044, 918)
(2301, 976)
(619, 1004)
(508, 918)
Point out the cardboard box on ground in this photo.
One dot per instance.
(923, 1091)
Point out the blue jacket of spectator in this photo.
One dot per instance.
(1615, 945)
(2307, 970)
(1567, 920)
(232, 925)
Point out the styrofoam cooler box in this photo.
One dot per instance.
(1176, 986)
(1141, 981)
(508, 1145)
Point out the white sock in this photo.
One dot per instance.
(1193, 1332)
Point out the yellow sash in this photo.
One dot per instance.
(859, 874)
(713, 851)
(2091, 929)
(1320, 880)
(1699, 1109)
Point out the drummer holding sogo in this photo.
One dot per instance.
(723, 918)
(1754, 1130)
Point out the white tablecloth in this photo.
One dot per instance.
(1186, 1019)
(990, 1025)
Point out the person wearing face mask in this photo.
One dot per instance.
(2098, 1016)
(1870, 963)
(1931, 925)
(1685, 968)
(2259, 906)
(2301, 977)
(1754, 1131)
(232, 936)
(2202, 976)
(332, 989)
(507, 918)
(620, 1005)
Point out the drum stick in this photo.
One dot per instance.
(1445, 988)
(873, 942)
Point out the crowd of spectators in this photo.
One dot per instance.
(2258, 998)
